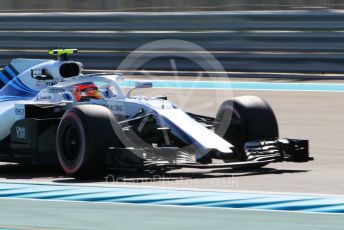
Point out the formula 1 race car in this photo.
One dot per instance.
(51, 113)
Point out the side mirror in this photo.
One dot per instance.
(141, 85)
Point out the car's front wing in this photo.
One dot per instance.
(258, 154)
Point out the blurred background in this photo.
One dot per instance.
(163, 5)
(249, 38)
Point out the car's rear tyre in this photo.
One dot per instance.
(84, 134)
(245, 118)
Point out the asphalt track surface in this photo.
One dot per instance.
(317, 116)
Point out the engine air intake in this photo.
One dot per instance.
(69, 70)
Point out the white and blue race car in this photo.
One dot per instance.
(52, 113)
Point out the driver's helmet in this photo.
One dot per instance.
(86, 91)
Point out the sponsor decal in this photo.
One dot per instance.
(20, 132)
(20, 112)
(46, 83)
(44, 97)
(116, 108)
(57, 90)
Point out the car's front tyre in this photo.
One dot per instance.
(245, 118)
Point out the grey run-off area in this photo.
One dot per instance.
(35, 214)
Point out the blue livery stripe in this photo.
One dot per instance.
(11, 73)
(67, 96)
(3, 78)
(13, 69)
(64, 95)
(14, 98)
(16, 88)
(19, 85)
